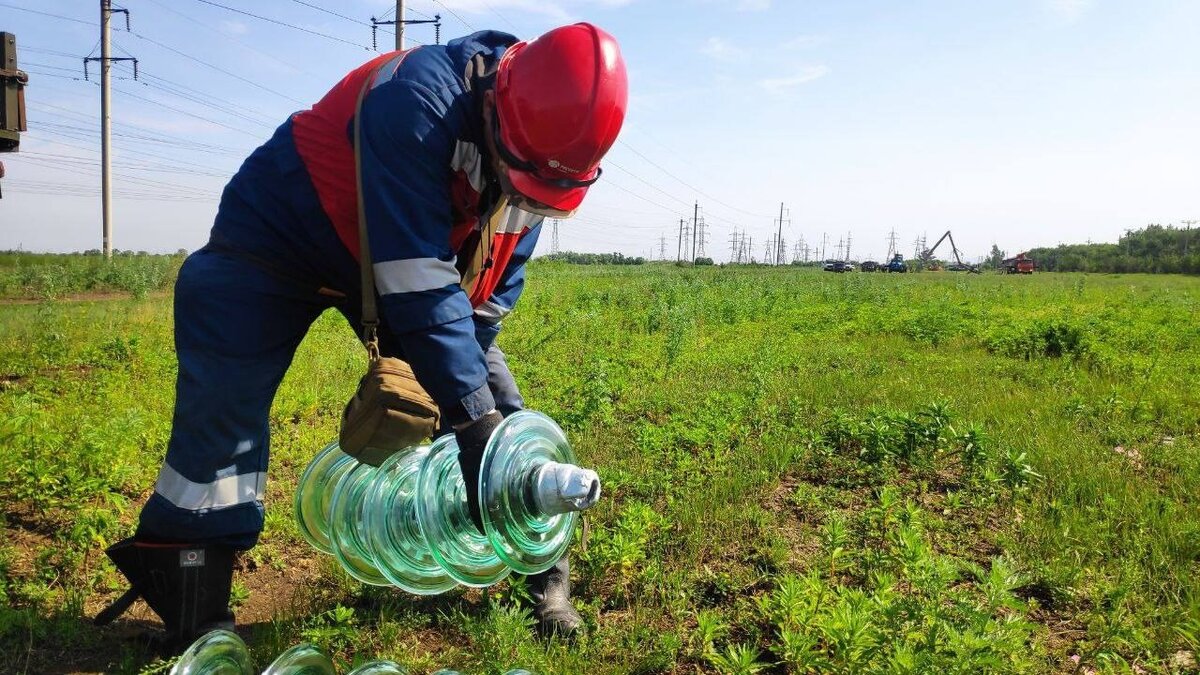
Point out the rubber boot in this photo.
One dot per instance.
(187, 586)
(552, 609)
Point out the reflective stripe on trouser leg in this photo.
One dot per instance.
(236, 329)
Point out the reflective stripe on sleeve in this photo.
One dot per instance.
(416, 274)
(492, 312)
(517, 221)
(467, 160)
(221, 493)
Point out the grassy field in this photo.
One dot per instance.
(803, 473)
(39, 276)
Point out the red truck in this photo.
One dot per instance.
(1022, 264)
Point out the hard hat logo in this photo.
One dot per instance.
(561, 100)
(555, 164)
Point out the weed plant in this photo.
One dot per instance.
(802, 473)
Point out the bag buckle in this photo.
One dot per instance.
(371, 340)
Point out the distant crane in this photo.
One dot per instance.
(958, 266)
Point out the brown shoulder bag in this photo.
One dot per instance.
(391, 410)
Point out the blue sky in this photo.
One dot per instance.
(1016, 122)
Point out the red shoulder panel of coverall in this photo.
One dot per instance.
(321, 138)
(503, 244)
(323, 143)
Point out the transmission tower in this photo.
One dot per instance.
(892, 250)
(849, 236)
(662, 247)
(554, 236)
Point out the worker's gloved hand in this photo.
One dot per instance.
(472, 439)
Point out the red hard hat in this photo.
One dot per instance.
(561, 99)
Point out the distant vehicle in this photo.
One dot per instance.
(1021, 264)
(897, 264)
(848, 267)
(871, 266)
(837, 266)
(829, 266)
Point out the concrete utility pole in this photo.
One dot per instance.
(106, 124)
(399, 25)
(106, 58)
(779, 238)
(679, 246)
(695, 228)
(779, 248)
(849, 236)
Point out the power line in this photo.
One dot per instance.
(85, 136)
(83, 161)
(648, 201)
(230, 38)
(190, 114)
(46, 65)
(684, 183)
(216, 68)
(283, 23)
(502, 17)
(54, 16)
(205, 99)
(455, 15)
(646, 182)
(331, 12)
(51, 52)
(44, 74)
(144, 134)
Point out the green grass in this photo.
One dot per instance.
(803, 473)
(49, 276)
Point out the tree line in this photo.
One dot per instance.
(1158, 249)
(574, 258)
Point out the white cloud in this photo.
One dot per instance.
(234, 27)
(753, 5)
(1068, 10)
(805, 41)
(722, 50)
(806, 74)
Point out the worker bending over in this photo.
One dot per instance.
(463, 149)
